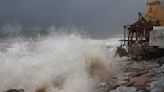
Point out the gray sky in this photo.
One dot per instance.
(101, 18)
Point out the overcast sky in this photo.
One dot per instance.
(101, 18)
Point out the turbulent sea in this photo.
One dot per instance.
(57, 62)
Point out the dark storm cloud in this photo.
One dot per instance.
(100, 17)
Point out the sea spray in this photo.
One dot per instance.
(61, 63)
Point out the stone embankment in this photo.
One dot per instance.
(142, 76)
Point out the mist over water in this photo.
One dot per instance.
(57, 63)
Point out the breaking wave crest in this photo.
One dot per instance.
(57, 63)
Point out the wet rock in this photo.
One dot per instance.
(124, 89)
(162, 68)
(160, 61)
(141, 82)
(15, 90)
(104, 87)
(41, 90)
(59, 81)
(121, 51)
(138, 75)
(158, 85)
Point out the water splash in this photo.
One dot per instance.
(60, 63)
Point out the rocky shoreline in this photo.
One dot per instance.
(141, 76)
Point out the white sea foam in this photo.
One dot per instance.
(57, 63)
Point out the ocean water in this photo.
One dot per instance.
(57, 63)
